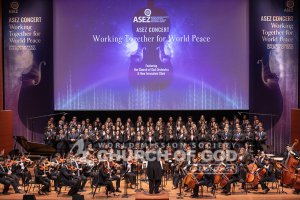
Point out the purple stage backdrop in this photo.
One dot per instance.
(198, 59)
(151, 55)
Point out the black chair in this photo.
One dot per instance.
(213, 190)
(277, 185)
(32, 182)
(60, 184)
(98, 186)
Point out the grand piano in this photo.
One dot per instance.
(34, 148)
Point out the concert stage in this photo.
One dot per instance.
(168, 193)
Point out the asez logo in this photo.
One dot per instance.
(143, 19)
(147, 12)
(290, 4)
(14, 6)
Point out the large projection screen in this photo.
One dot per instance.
(151, 55)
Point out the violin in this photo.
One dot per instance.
(72, 168)
(45, 166)
(114, 164)
(10, 163)
(26, 161)
(132, 162)
(61, 160)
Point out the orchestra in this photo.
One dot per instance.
(197, 155)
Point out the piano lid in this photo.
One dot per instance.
(35, 148)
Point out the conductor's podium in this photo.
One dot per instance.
(146, 196)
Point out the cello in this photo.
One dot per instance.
(219, 172)
(288, 173)
(251, 172)
(191, 179)
(226, 177)
(259, 176)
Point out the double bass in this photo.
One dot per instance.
(296, 185)
(288, 173)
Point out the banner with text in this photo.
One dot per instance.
(274, 40)
(28, 64)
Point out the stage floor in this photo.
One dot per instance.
(173, 194)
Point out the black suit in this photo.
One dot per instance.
(208, 180)
(249, 137)
(226, 138)
(81, 177)
(268, 177)
(129, 174)
(66, 178)
(104, 180)
(238, 140)
(154, 172)
(61, 144)
(261, 138)
(41, 178)
(7, 181)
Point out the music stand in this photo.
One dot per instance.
(125, 195)
(139, 181)
(180, 194)
(281, 184)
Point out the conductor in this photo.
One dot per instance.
(154, 171)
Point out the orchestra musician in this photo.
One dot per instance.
(55, 165)
(41, 176)
(20, 170)
(269, 176)
(77, 170)
(238, 175)
(11, 168)
(104, 179)
(112, 168)
(7, 180)
(207, 180)
(178, 171)
(288, 152)
(129, 168)
(261, 159)
(67, 178)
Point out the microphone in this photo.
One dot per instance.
(239, 113)
(64, 113)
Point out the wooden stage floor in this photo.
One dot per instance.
(238, 194)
